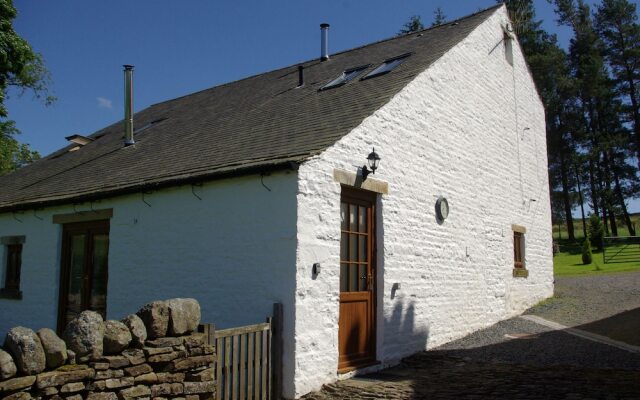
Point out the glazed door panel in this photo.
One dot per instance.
(356, 334)
(84, 270)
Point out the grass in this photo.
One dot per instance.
(568, 262)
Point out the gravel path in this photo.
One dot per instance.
(583, 299)
(540, 347)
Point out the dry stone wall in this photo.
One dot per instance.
(154, 353)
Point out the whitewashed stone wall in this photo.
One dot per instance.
(233, 251)
(470, 128)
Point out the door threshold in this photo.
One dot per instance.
(348, 372)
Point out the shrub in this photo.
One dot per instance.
(596, 231)
(587, 256)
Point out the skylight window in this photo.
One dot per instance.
(387, 66)
(346, 76)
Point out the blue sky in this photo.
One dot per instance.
(179, 47)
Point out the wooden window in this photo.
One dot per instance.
(12, 266)
(518, 250)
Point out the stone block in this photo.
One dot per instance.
(102, 396)
(138, 370)
(13, 384)
(165, 342)
(168, 377)
(195, 340)
(109, 373)
(99, 366)
(116, 361)
(167, 389)
(117, 383)
(137, 329)
(18, 396)
(202, 376)
(147, 379)
(184, 316)
(7, 366)
(50, 391)
(190, 363)
(74, 397)
(163, 358)
(84, 335)
(199, 387)
(153, 351)
(116, 337)
(135, 356)
(26, 349)
(155, 316)
(135, 392)
(55, 349)
(71, 356)
(72, 387)
(64, 375)
(98, 385)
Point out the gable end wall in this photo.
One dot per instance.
(470, 128)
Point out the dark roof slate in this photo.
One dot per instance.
(250, 125)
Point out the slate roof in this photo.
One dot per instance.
(255, 124)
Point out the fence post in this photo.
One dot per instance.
(276, 351)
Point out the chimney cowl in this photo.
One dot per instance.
(300, 75)
(324, 42)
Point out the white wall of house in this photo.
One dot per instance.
(470, 128)
(234, 251)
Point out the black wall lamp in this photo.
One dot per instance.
(373, 159)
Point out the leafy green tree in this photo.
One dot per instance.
(21, 70)
(596, 231)
(587, 254)
(603, 137)
(413, 25)
(617, 24)
(439, 17)
(549, 65)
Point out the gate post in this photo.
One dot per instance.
(276, 351)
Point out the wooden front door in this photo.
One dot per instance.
(356, 334)
(83, 281)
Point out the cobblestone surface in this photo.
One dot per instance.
(432, 375)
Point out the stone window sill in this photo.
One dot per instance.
(10, 294)
(520, 273)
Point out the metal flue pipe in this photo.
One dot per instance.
(324, 42)
(128, 105)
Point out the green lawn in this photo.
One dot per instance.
(569, 262)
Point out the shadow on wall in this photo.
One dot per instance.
(401, 335)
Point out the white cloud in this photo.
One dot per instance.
(103, 102)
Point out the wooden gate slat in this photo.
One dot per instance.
(265, 348)
(227, 367)
(256, 380)
(243, 364)
(218, 371)
(250, 352)
(234, 370)
(270, 355)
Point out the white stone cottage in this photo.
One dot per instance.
(236, 194)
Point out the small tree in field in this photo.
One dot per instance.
(587, 255)
(596, 231)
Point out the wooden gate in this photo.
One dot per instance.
(248, 361)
